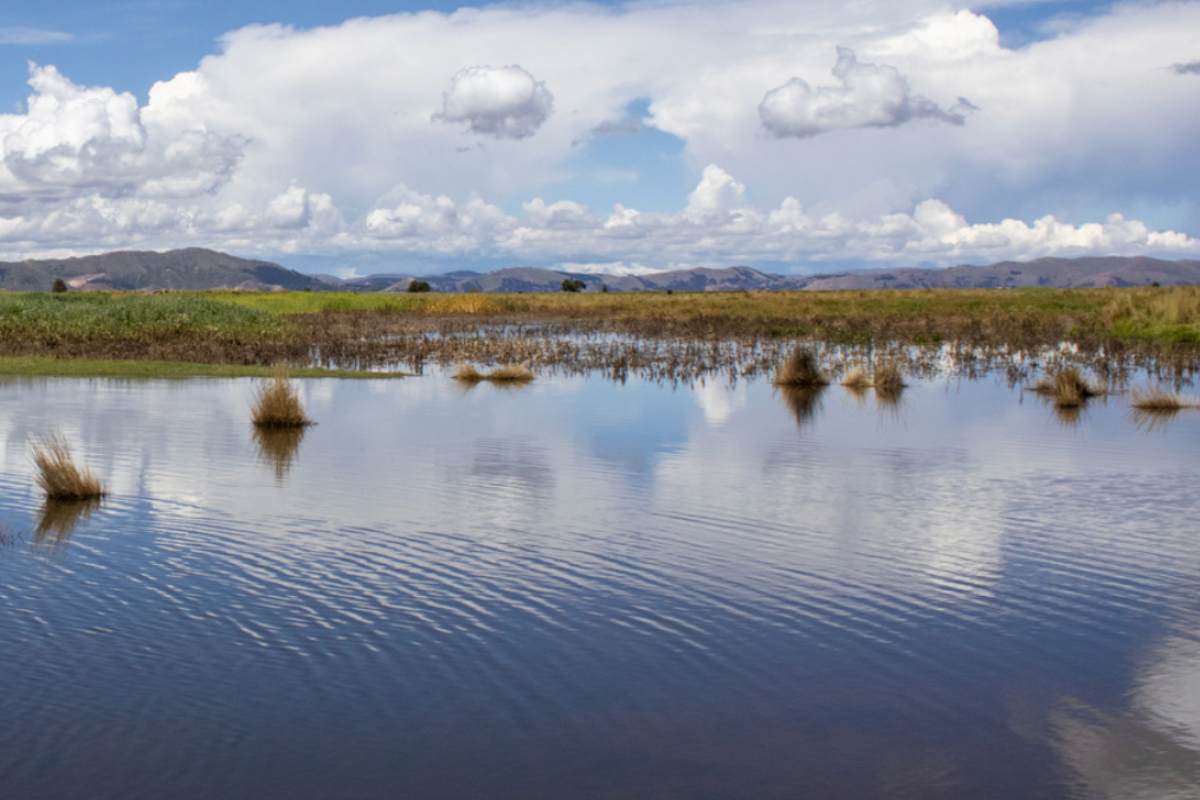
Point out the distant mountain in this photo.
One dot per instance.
(193, 268)
(1052, 272)
(196, 268)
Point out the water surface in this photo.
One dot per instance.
(587, 589)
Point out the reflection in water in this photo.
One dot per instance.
(277, 447)
(1152, 419)
(803, 401)
(598, 590)
(59, 518)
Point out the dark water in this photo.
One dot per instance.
(587, 590)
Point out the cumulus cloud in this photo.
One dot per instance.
(74, 138)
(867, 96)
(504, 102)
(410, 220)
(1186, 68)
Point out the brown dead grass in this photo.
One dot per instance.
(277, 405)
(1157, 398)
(889, 381)
(1068, 388)
(800, 369)
(58, 475)
(509, 373)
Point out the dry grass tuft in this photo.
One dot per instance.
(857, 380)
(59, 477)
(1068, 388)
(510, 373)
(889, 382)
(1158, 399)
(800, 369)
(277, 405)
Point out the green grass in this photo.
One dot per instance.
(44, 366)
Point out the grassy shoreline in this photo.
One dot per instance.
(217, 333)
(51, 367)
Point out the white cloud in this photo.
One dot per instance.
(74, 139)
(505, 102)
(320, 141)
(867, 96)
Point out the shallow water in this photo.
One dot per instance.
(586, 589)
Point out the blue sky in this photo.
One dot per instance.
(576, 134)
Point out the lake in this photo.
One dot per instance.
(588, 589)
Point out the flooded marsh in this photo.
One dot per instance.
(582, 586)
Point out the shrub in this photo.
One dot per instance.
(59, 285)
(573, 285)
(419, 286)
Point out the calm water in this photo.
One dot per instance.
(586, 590)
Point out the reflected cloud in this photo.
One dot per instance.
(58, 520)
(277, 448)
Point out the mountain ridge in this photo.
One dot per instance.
(200, 268)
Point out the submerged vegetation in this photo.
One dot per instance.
(58, 475)
(277, 405)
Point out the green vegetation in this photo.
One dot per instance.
(419, 286)
(50, 367)
(246, 328)
(573, 285)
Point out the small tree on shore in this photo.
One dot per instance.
(59, 285)
(419, 286)
(572, 285)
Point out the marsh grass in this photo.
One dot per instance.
(1068, 388)
(507, 374)
(1159, 399)
(801, 368)
(277, 405)
(888, 381)
(58, 475)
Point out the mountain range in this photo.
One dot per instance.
(197, 268)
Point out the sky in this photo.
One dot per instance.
(800, 136)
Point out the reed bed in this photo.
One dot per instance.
(277, 405)
(58, 474)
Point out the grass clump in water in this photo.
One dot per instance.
(889, 381)
(800, 369)
(1068, 388)
(277, 405)
(509, 373)
(1158, 399)
(58, 475)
